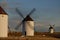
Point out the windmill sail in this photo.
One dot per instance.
(24, 18)
(31, 11)
(28, 23)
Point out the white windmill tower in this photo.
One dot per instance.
(3, 23)
(51, 29)
(27, 24)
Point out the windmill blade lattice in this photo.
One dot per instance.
(9, 28)
(31, 12)
(23, 17)
(19, 13)
(18, 25)
(53, 25)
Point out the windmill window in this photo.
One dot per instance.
(2, 15)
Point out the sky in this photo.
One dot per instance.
(47, 12)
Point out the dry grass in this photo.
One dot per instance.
(38, 36)
(55, 35)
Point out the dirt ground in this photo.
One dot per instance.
(38, 36)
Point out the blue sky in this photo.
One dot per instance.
(47, 11)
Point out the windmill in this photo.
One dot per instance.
(27, 23)
(51, 29)
(3, 23)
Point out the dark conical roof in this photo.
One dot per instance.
(28, 18)
(51, 28)
(2, 11)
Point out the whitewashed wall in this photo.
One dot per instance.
(3, 25)
(51, 31)
(29, 26)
